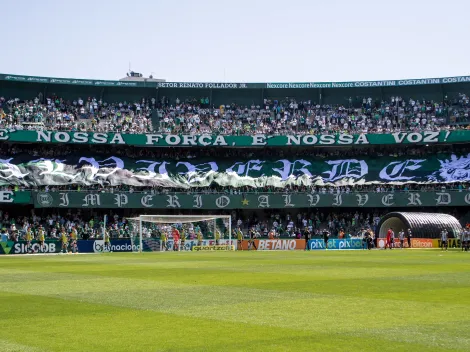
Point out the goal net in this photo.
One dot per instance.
(156, 233)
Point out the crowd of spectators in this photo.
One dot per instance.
(56, 114)
(198, 116)
(89, 225)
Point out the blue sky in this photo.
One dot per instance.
(236, 41)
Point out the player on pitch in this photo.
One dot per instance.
(28, 237)
(64, 240)
(176, 239)
(41, 239)
(73, 240)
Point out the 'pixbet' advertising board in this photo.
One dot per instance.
(354, 243)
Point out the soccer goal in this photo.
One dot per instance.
(155, 233)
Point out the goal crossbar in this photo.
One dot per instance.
(168, 219)
(165, 219)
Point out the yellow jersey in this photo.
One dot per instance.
(63, 237)
(41, 235)
(28, 236)
(199, 236)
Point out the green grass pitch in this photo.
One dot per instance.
(411, 300)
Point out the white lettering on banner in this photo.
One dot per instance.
(362, 139)
(327, 139)
(396, 174)
(274, 245)
(99, 138)
(414, 199)
(313, 199)
(443, 198)
(172, 139)
(62, 137)
(431, 137)
(117, 139)
(6, 197)
(145, 201)
(259, 140)
(345, 139)
(337, 200)
(64, 200)
(113, 163)
(290, 169)
(362, 199)
(222, 202)
(263, 202)
(193, 173)
(4, 134)
(295, 139)
(387, 200)
(8, 170)
(152, 138)
(220, 140)
(241, 168)
(350, 168)
(173, 201)
(197, 199)
(91, 200)
(80, 137)
(467, 198)
(53, 167)
(43, 136)
(287, 200)
(189, 140)
(151, 170)
(205, 140)
(121, 200)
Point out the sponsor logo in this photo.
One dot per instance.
(213, 248)
(276, 245)
(44, 199)
(22, 248)
(421, 243)
(99, 247)
(316, 244)
(6, 246)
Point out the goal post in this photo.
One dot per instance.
(152, 233)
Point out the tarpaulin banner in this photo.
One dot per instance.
(109, 170)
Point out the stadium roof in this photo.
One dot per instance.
(214, 85)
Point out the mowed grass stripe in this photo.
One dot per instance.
(324, 299)
(56, 325)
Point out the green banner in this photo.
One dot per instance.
(161, 140)
(11, 197)
(274, 174)
(212, 85)
(248, 201)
